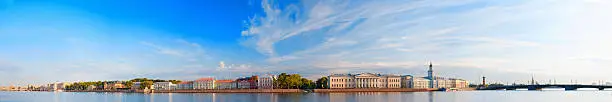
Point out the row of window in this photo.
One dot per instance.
(344, 85)
(340, 85)
(350, 80)
(394, 85)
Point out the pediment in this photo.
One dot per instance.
(366, 75)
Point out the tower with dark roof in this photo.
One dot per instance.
(430, 75)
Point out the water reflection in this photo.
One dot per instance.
(170, 97)
(467, 96)
(430, 96)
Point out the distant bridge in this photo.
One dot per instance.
(540, 87)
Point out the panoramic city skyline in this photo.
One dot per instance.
(507, 41)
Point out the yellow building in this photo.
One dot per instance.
(364, 80)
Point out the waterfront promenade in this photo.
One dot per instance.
(266, 90)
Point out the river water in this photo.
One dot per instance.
(461, 96)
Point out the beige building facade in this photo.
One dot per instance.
(364, 80)
(419, 83)
(439, 82)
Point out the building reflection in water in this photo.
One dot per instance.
(293, 97)
(337, 97)
(151, 97)
(430, 96)
(170, 97)
(214, 97)
(366, 97)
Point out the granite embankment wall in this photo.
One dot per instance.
(373, 90)
(98, 91)
(201, 91)
(265, 90)
(232, 91)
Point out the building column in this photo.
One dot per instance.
(375, 83)
(369, 82)
(357, 83)
(365, 83)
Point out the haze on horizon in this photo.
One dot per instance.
(506, 40)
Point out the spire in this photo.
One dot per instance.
(430, 65)
(431, 76)
(532, 80)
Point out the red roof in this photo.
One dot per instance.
(205, 79)
(186, 82)
(224, 81)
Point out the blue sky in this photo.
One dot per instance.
(508, 41)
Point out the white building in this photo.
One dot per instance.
(419, 82)
(185, 85)
(58, 86)
(265, 82)
(164, 86)
(364, 80)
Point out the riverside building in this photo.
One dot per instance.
(369, 80)
(364, 80)
(225, 84)
(265, 82)
(185, 85)
(204, 83)
(247, 82)
(164, 86)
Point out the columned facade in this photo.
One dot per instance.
(364, 80)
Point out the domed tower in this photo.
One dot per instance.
(430, 75)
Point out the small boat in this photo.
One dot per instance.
(441, 89)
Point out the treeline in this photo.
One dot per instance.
(83, 85)
(282, 81)
(295, 81)
(145, 83)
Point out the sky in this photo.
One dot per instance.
(508, 41)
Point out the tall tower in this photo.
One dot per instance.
(430, 75)
(484, 81)
(532, 80)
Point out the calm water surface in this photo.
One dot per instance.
(464, 96)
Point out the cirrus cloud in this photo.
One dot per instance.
(511, 36)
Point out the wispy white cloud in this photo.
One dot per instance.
(8, 68)
(163, 50)
(180, 48)
(510, 36)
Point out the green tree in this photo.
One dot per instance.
(146, 84)
(175, 81)
(294, 81)
(322, 83)
(129, 84)
(307, 84)
(282, 81)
